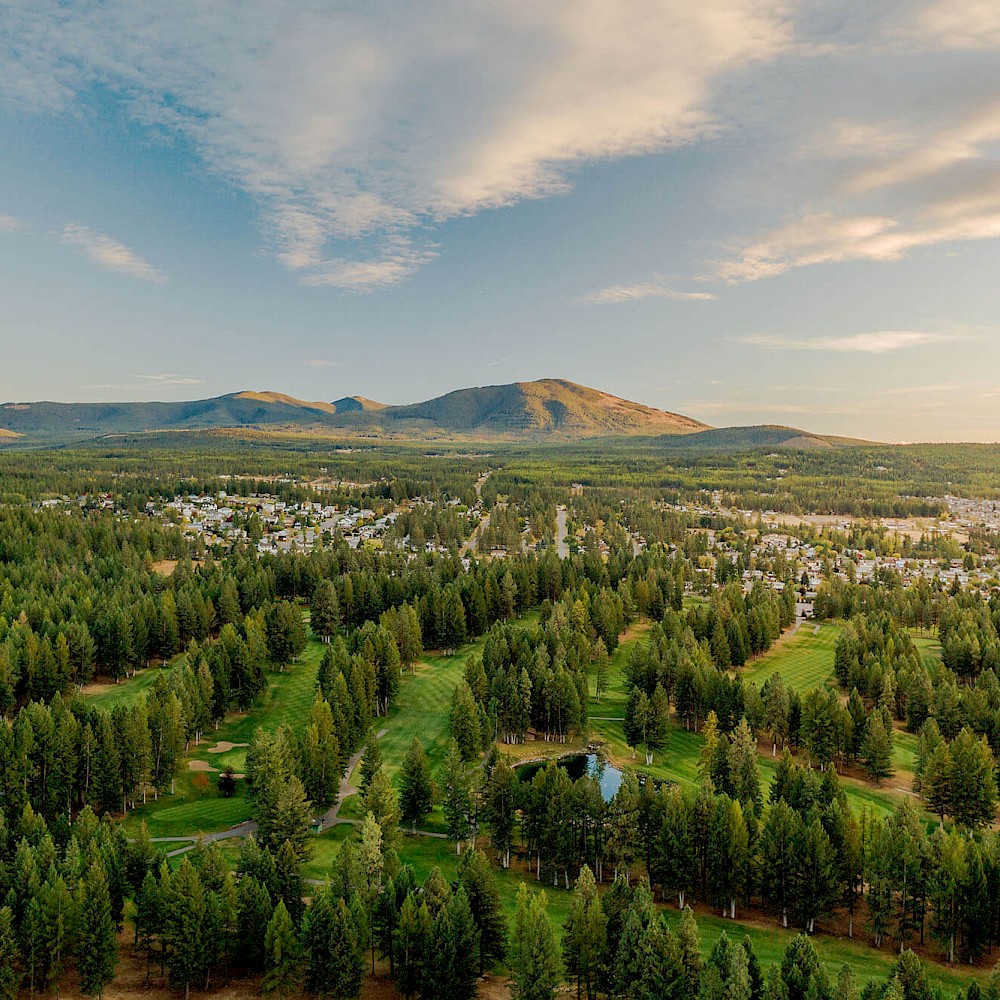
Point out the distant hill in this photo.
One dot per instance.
(548, 408)
(758, 436)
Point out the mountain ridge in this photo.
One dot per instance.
(547, 409)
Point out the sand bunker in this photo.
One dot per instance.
(225, 747)
(200, 765)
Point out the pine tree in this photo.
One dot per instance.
(288, 880)
(380, 800)
(282, 954)
(935, 781)
(458, 805)
(801, 970)
(58, 912)
(286, 814)
(452, 964)
(777, 851)
(876, 749)
(583, 942)
(480, 884)
(285, 632)
(253, 913)
(628, 954)
(183, 924)
(410, 944)
(333, 959)
(324, 610)
(500, 807)
(372, 865)
(658, 971)
(229, 603)
(464, 722)
(637, 718)
(534, 960)
(847, 988)
(10, 975)
(814, 879)
(321, 755)
(689, 944)
(371, 762)
(710, 732)
(676, 862)
(744, 770)
(973, 781)
(658, 730)
(601, 669)
(97, 947)
(453, 628)
(414, 785)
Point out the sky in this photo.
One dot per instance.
(748, 211)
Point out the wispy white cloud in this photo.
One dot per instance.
(111, 254)
(614, 294)
(8, 224)
(958, 24)
(170, 379)
(878, 342)
(354, 139)
(321, 363)
(826, 237)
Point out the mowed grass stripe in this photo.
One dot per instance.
(804, 660)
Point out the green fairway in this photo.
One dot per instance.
(192, 809)
(803, 656)
(196, 807)
(421, 710)
(804, 660)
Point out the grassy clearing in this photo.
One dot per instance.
(196, 807)
(128, 692)
(770, 941)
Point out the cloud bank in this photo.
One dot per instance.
(878, 342)
(357, 130)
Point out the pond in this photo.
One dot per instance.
(576, 766)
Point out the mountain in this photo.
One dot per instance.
(546, 407)
(550, 408)
(355, 404)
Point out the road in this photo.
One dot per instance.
(562, 548)
(472, 545)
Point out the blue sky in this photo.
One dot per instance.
(744, 210)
